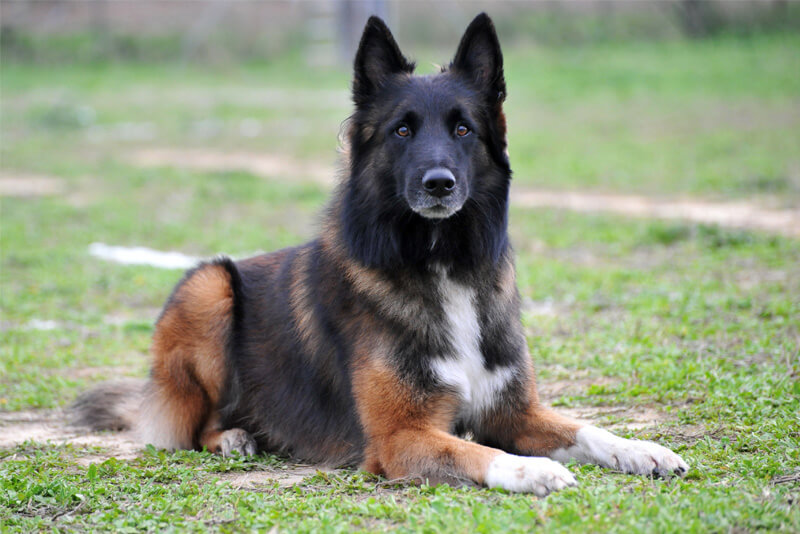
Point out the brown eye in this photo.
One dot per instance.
(403, 131)
(461, 130)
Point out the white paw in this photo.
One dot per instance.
(527, 474)
(597, 446)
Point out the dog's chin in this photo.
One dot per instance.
(438, 211)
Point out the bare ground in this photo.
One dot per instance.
(738, 214)
(50, 426)
(732, 214)
(289, 476)
(45, 426)
(29, 185)
(274, 166)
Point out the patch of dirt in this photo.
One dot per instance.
(734, 214)
(546, 308)
(625, 417)
(622, 417)
(252, 480)
(107, 372)
(551, 390)
(50, 426)
(28, 185)
(271, 166)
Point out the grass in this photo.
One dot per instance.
(699, 325)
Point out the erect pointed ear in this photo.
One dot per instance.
(378, 57)
(480, 59)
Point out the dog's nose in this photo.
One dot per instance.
(439, 182)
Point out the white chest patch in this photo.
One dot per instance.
(463, 368)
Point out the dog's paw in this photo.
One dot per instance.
(528, 474)
(647, 458)
(597, 446)
(236, 440)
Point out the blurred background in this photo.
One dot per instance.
(210, 127)
(326, 31)
(612, 95)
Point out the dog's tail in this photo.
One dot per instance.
(114, 405)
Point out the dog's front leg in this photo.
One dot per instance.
(406, 433)
(544, 432)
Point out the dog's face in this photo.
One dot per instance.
(432, 141)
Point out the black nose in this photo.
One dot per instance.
(439, 182)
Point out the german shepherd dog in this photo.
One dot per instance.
(397, 330)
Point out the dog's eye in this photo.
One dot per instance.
(403, 131)
(461, 130)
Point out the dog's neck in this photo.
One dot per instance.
(473, 239)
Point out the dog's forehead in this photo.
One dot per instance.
(442, 91)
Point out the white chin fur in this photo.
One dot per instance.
(527, 474)
(437, 212)
(597, 446)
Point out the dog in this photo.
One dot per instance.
(394, 333)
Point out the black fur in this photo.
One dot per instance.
(398, 323)
(301, 315)
(297, 397)
(382, 230)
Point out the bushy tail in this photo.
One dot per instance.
(111, 405)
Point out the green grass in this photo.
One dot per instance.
(698, 324)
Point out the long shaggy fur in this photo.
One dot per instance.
(109, 406)
(395, 330)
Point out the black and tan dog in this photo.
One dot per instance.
(397, 329)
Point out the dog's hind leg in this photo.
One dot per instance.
(226, 442)
(189, 349)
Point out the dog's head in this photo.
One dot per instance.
(430, 143)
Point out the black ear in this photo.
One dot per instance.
(378, 57)
(480, 59)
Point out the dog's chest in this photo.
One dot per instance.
(463, 367)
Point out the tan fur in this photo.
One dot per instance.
(545, 431)
(188, 359)
(211, 436)
(381, 293)
(407, 435)
(300, 303)
(507, 281)
(539, 431)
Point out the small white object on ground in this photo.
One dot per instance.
(143, 256)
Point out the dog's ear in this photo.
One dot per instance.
(378, 57)
(480, 59)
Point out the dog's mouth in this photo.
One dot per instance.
(436, 211)
(436, 206)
